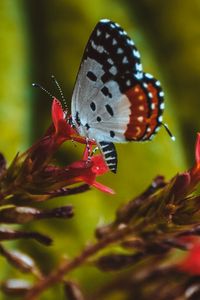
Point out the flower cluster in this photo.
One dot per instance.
(31, 178)
(32, 175)
(146, 231)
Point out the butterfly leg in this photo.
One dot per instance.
(88, 149)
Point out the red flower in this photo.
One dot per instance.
(186, 182)
(36, 178)
(195, 171)
(191, 263)
(87, 170)
(197, 151)
(62, 129)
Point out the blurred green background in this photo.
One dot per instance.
(40, 38)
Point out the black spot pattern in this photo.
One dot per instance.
(106, 92)
(112, 134)
(78, 119)
(87, 126)
(91, 76)
(93, 106)
(113, 47)
(109, 110)
(101, 47)
(98, 119)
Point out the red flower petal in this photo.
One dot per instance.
(63, 130)
(87, 169)
(99, 166)
(58, 114)
(191, 263)
(197, 150)
(181, 184)
(195, 171)
(103, 188)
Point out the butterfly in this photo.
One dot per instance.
(113, 100)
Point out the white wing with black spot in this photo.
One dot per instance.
(110, 65)
(103, 110)
(113, 101)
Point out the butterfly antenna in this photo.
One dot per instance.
(61, 92)
(37, 85)
(168, 131)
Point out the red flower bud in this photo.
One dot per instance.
(191, 263)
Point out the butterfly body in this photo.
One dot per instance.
(113, 100)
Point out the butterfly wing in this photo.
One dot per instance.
(113, 100)
(146, 109)
(110, 65)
